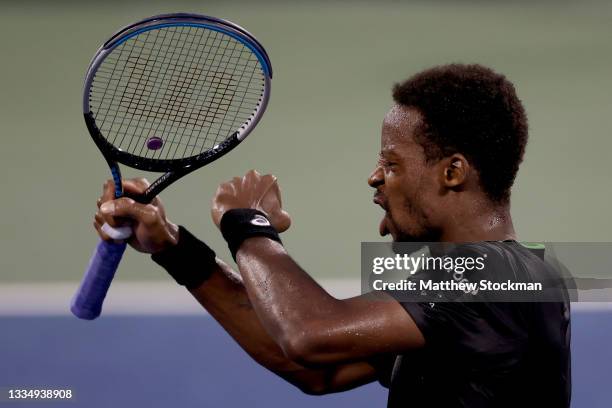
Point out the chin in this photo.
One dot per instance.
(401, 236)
(406, 238)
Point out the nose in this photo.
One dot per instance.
(376, 178)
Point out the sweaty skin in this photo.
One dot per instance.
(430, 202)
(224, 296)
(251, 191)
(277, 312)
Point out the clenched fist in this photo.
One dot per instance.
(251, 191)
(152, 231)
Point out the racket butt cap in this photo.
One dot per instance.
(84, 314)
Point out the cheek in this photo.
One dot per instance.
(411, 198)
(400, 190)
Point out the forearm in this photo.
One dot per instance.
(312, 327)
(224, 296)
(286, 299)
(220, 290)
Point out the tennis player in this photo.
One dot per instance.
(451, 146)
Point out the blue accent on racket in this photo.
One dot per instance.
(168, 94)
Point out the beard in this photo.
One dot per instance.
(410, 226)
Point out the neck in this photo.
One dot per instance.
(484, 222)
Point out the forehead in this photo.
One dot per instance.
(399, 126)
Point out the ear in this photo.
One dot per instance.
(455, 170)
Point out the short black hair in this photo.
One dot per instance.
(472, 110)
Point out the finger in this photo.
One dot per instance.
(98, 218)
(106, 214)
(140, 181)
(275, 188)
(114, 212)
(251, 178)
(216, 214)
(263, 198)
(270, 194)
(254, 186)
(127, 208)
(269, 181)
(214, 204)
(265, 182)
(252, 174)
(108, 190)
(136, 185)
(235, 182)
(285, 222)
(228, 188)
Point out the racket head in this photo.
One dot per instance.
(175, 92)
(196, 96)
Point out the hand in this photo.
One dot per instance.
(251, 191)
(152, 232)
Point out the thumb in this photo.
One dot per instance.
(123, 208)
(284, 221)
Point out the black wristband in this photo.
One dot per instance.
(241, 223)
(190, 262)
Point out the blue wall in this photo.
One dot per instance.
(188, 361)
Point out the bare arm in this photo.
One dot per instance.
(311, 326)
(225, 297)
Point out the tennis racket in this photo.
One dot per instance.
(167, 94)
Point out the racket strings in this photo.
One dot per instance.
(122, 117)
(174, 68)
(219, 94)
(189, 86)
(165, 107)
(146, 91)
(240, 80)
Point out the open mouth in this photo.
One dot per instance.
(378, 199)
(383, 227)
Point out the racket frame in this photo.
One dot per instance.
(176, 168)
(89, 297)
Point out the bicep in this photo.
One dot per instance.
(349, 376)
(358, 328)
(332, 379)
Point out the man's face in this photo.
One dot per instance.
(405, 184)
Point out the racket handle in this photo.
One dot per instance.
(87, 301)
(118, 233)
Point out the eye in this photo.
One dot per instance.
(388, 163)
